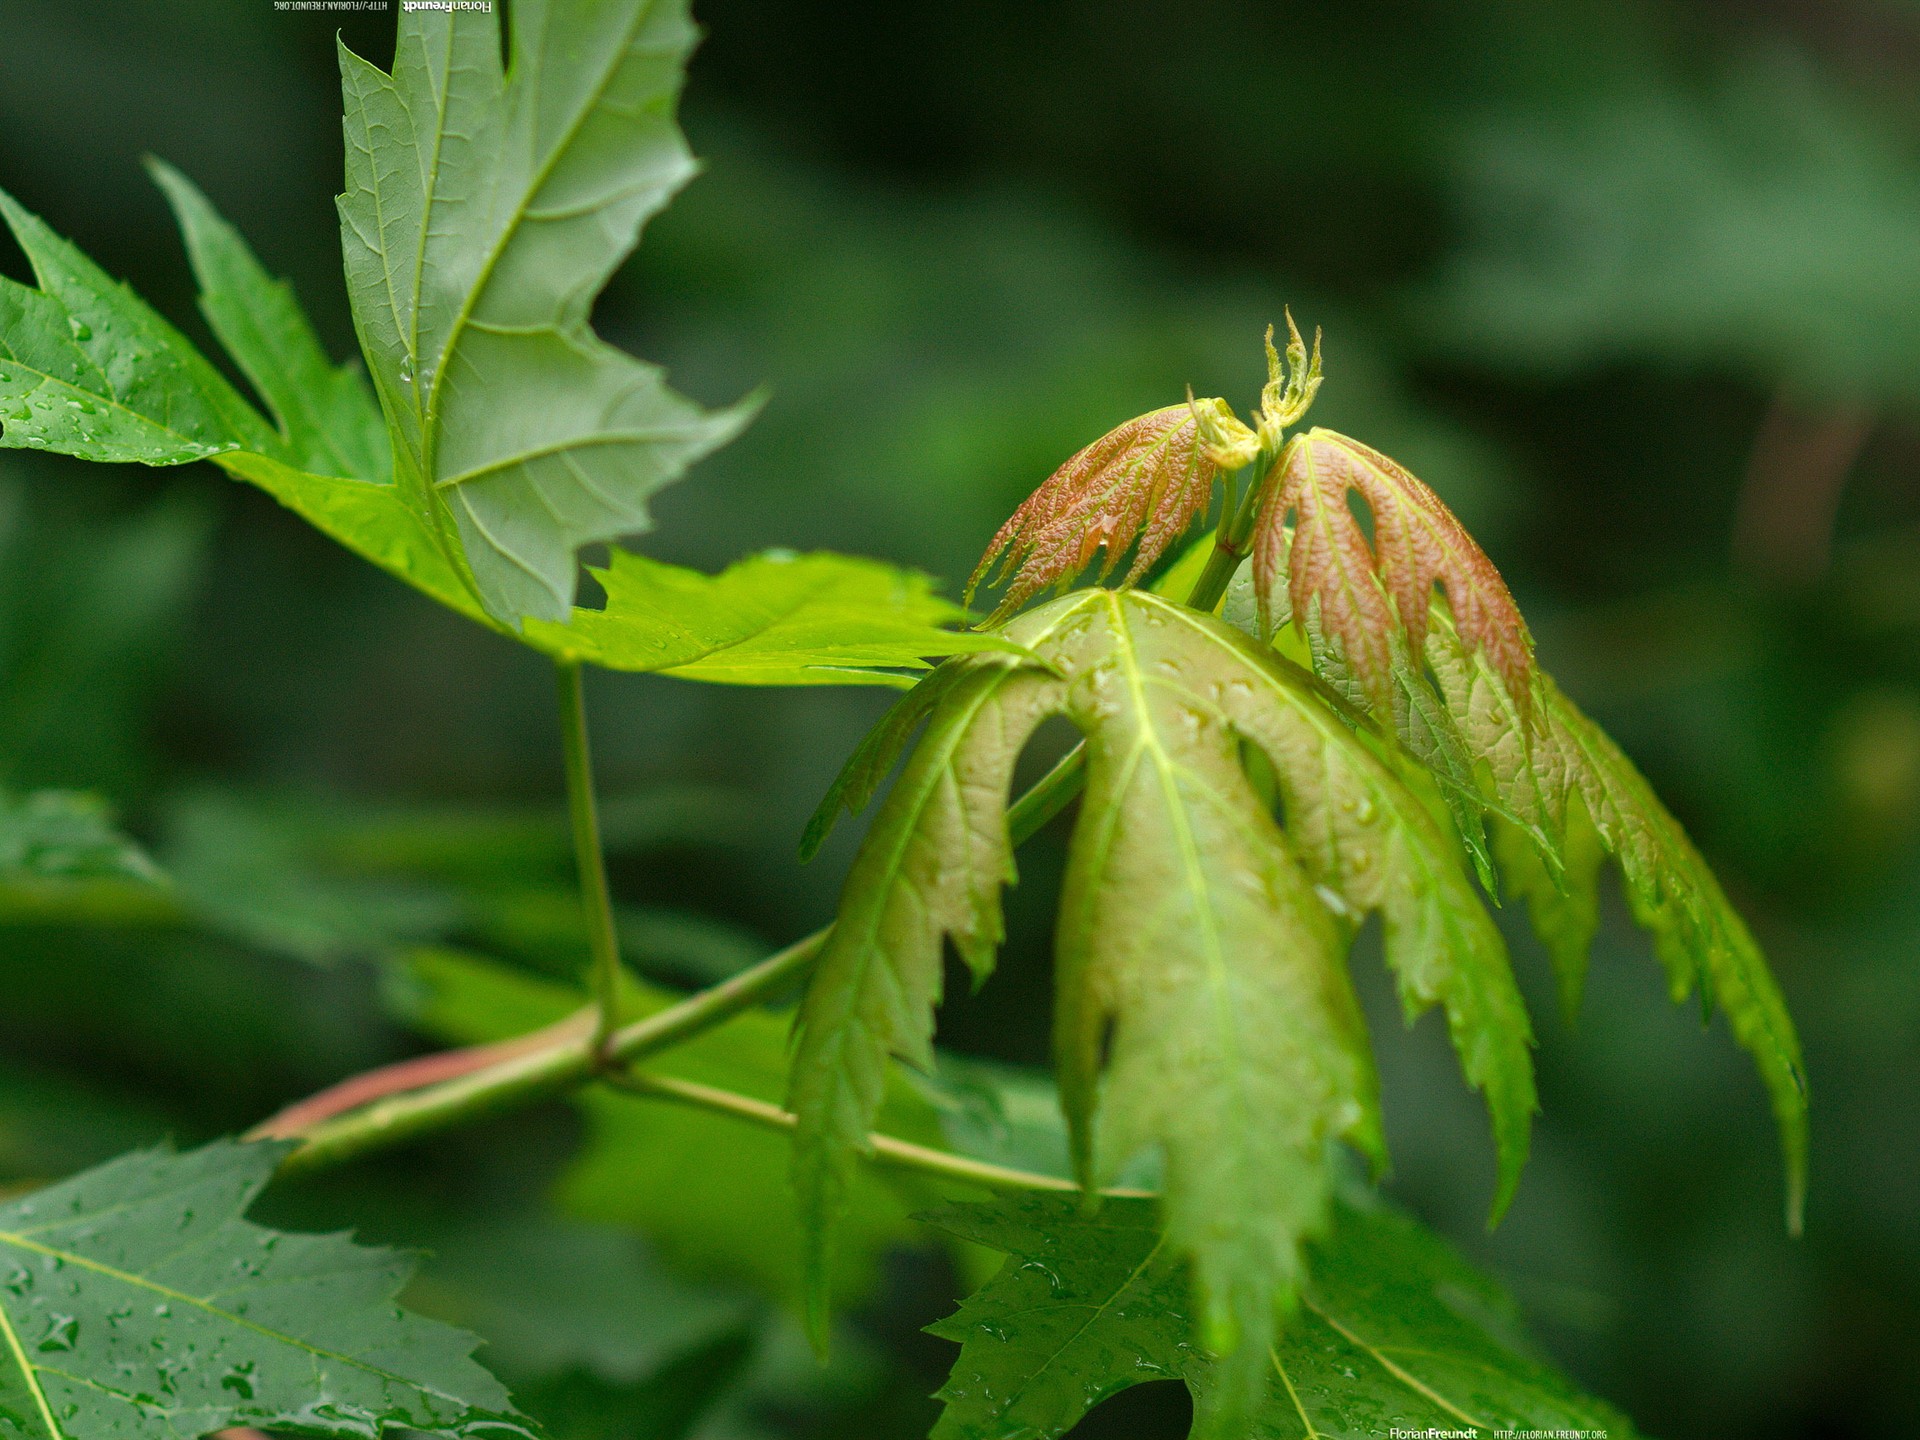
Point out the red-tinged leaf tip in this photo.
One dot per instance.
(1144, 482)
(1359, 592)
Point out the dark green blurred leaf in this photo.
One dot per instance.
(90, 605)
(1763, 222)
(669, 1405)
(240, 872)
(553, 1295)
(64, 835)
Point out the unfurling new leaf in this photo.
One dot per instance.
(1573, 797)
(1140, 484)
(1204, 1008)
(1364, 594)
(135, 1300)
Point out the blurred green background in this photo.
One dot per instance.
(1635, 286)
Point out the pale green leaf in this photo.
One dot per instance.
(1394, 1331)
(485, 208)
(1369, 843)
(135, 1300)
(773, 619)
(1454, 674)
(1204, 1010)
(88, 369)
(327, 413)
(931, 867)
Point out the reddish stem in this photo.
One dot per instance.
(405, 1075)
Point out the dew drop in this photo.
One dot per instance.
(62, 1332)
(80, 330)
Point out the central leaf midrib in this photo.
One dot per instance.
(1219, 980)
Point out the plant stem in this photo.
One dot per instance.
(571, 1058)
(1051, 794)
(886, 1149)
(602, 939)
(1233, 538)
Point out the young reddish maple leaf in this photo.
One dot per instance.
(1146, 480)
(1366, 592)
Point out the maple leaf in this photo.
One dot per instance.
(1204, 1009)
(1147, 480)
(138, 1301)
(1393, 1323)
(1359, 594)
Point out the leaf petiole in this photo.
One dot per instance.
(887, 1150)
(602, 940)
(1233, 539)
(569, 1059)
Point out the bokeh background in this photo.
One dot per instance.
(1635, 286)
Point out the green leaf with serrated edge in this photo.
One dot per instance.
(1533, 759)
(136, 1300)
(1364, 837)
(710, 1192)
(1203, 1004)
(484, 210)
(1394, 1331)
(773, 619)
(876, 755)
(327, 413)
(88, 369)
(66, 835)
(932, 867)
(1546, 765)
